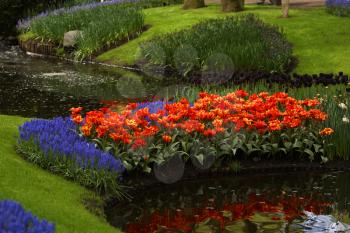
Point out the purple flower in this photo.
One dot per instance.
(24, 24)
(14, 219)
(153, 107)
(339, 3)
(59, 139)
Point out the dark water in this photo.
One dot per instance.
(37, 87)
(255, 203)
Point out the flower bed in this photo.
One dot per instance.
(14, 219)
(99, 26)
(56, 145)
(338, 7)
(287, 80)
(24, 24)
(221, 45)
(213, 128)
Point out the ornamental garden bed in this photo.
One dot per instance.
(215, 132)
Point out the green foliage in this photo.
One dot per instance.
(232, 43)
(302, 143)
(311, 31)
(99, 26)
(101, 181)
(41, 192)
(335, 102)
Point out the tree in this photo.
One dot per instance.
(232, 5)
(285, 8)
(193, 4)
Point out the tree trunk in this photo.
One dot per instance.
(232, 5)
(285, 8)
(193, 4)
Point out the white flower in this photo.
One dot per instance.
(342, 106)
(345, 119)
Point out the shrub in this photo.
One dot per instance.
(220, 126)
(56, 145)
(338, 7)
(13, 218)
(229, 44)
(99, 25)
(285, 80)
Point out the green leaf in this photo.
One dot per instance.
(297, 145)
(200, 158)
(310, 153)
(287, 145)
(308, 142)
(127, 165)
(317, 147)
(234, 151)
(147, 169)
(283, 150)
(324, 159)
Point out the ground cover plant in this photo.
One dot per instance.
(46, 195)
(232, 43)
(99, 26)
(54, 145)
(13, 218)
(338, 7)
(223, 127)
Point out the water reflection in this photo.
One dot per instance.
(37, 87)
(261, 203)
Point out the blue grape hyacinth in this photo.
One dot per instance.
(14, 219)
(59, 139)
(153, 107)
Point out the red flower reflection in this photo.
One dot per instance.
(288, 207)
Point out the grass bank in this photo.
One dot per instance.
(46, 195)
(320, 40)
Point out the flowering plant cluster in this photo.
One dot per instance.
(57, 146)
(14, 219)
(338, 7)
(287, 80)
(213, 125)
(24, 24)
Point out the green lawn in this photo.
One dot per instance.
(321, 41)
(46, 195)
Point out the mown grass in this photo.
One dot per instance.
(320, 40)
(46, 195)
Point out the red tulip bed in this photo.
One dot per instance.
(224, 127)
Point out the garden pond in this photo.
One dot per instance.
(37, 87)
(280, 202)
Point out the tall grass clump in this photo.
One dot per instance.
(338, 7)
(100, 26)
(226, 44)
